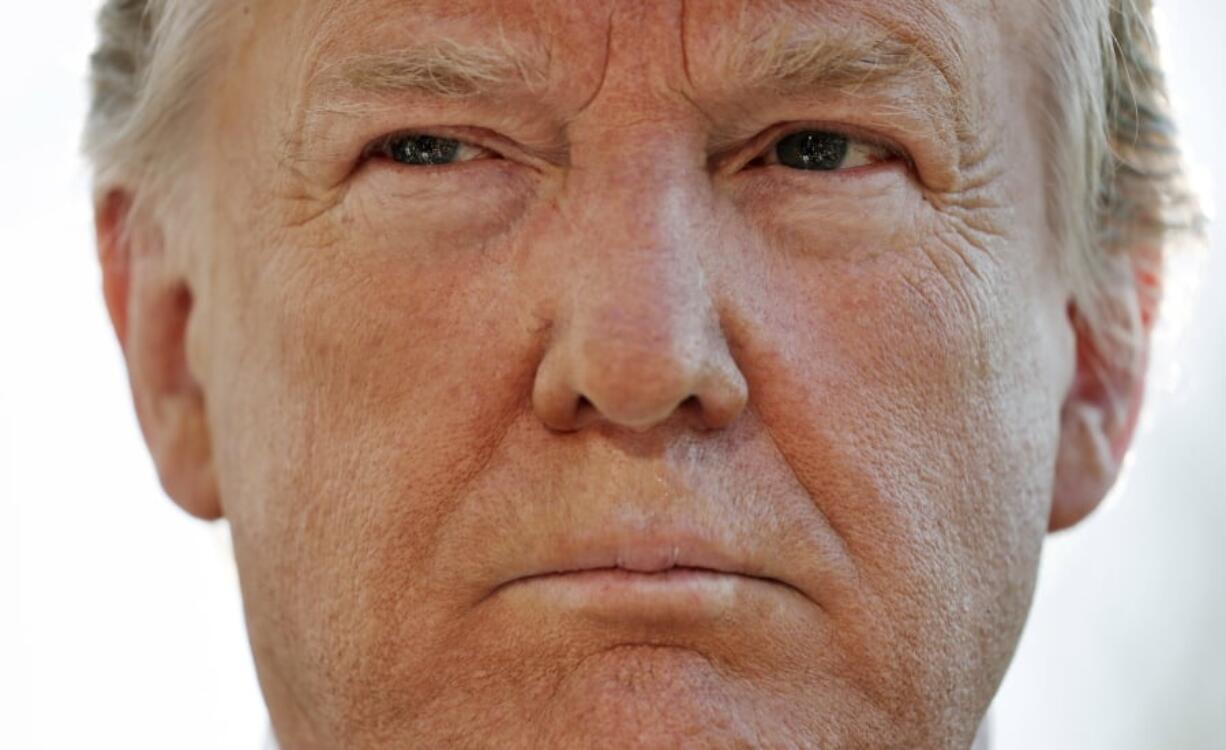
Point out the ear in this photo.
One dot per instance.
(1103, 405)
(149, 306)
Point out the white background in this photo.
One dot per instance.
(120, 624)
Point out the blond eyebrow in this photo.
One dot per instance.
(444, 68)
(836, 62)
(848, 61)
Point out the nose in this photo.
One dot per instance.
(637, 337)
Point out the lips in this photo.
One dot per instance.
(629, 554)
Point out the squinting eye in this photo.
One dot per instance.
(424, 150)
(823, 151)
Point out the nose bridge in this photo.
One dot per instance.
(638, 333)
(638, 246)
(639, 317)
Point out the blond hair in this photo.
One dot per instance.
(1118, 189)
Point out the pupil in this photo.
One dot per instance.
(424, 150)
(812, 150)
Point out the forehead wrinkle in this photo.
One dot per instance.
(792, 47)
(942, 49)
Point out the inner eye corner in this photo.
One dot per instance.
(757, 162)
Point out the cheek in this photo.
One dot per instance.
(374, 378)
(379, 315)
(900, 370)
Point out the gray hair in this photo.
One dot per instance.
(1120, 200)
(152, 56)
(1119, 193)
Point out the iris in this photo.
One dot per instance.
(812, 149)
(423, 150)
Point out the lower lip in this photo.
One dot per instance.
(679, 594)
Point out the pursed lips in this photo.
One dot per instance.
(649, 563)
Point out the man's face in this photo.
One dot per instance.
(634, 373)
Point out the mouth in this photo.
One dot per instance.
(635, 576)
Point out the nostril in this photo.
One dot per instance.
(584, 410)
(695, 411)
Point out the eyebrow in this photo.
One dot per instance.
(827, 62)
(443, 69)
(790, 59)
(849, 61)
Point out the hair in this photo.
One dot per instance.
(152, 58)
(1118, 199)
(1117, 188)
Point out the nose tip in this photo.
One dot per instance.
(638, 387)
(589, 413)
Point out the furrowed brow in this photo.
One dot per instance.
(851, 61)
(442, 69)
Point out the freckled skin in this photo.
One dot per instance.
(859, 376)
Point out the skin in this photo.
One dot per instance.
(408, 390)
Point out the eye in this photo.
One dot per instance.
(426, 150)
(825, 151)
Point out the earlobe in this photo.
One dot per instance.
(1086, 467)
(150, 306)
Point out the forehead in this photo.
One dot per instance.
(544, 17)
(576, 40)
